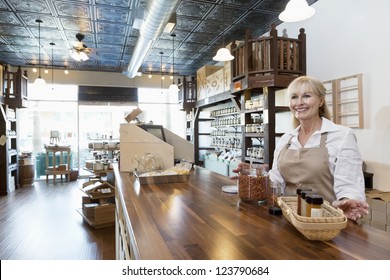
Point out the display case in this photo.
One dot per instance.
(102, 155)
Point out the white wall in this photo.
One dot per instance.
(99, 79)
(349, 37)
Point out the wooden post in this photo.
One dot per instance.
(302, 51)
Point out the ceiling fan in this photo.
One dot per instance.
(80, 51)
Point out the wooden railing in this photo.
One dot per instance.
(15, 88)
(269, 56)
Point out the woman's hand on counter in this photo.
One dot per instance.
(238, 170)
(353, 209)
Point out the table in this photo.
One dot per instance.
(196, 220)
(60, 168)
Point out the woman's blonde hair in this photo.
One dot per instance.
(313, 85)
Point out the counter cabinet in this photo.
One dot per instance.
(196, 220)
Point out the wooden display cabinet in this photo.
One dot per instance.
(98, 207)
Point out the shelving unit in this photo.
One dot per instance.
(265, 133)
(104, 153)
(13, 95)
(262, 67)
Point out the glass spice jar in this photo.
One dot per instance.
(274, 191)
(299, 200)
(253, 182)
(313, 205)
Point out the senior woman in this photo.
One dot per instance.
(318, 153)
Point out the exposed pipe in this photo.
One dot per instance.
(158, 13)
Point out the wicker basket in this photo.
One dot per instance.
(317, 228)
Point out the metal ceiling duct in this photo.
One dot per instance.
(158, 13)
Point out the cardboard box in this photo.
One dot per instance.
(378, 216)
(378, 225)
(201, 79)
(378, 200)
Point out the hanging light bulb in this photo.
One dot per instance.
(34, 69)
(173, 88)
(66, 71)
(296, 10)
(52, 65)
(161, 73)
(223, 54)
(39, 81)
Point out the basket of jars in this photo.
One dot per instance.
(252, 183)
(326, 225)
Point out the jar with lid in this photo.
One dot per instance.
(256, 103)
(313, 205)
(274, 191)
(248, 105)
(304, 193)
(299, 200)
(261, 101)
(252, 183)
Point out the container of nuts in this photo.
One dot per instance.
(253, 182)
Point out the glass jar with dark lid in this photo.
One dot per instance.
(303, 201)
(299, 201)
(313, 205)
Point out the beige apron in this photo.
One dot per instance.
(307, 168)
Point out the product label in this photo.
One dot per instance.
(316, 212)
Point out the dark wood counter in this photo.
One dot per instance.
(196, 220)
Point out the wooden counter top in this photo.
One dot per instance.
(196, 220)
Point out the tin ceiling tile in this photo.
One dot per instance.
(112, 14)
(201, 26)
(13, 31)
(34, 6)
(78, 25)
(109, 28)
(73, 10)
(116, 3)
(8, 18)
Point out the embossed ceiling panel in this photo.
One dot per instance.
(110, 33)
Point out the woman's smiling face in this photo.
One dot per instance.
(304, 104)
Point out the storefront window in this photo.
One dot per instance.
(57, 109)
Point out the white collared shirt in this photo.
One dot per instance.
(345, 161)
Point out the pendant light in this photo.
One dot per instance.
(296, 10)
(39, 81)
(223, 54)
(173, 88)
(52, 65)
(161, 72)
